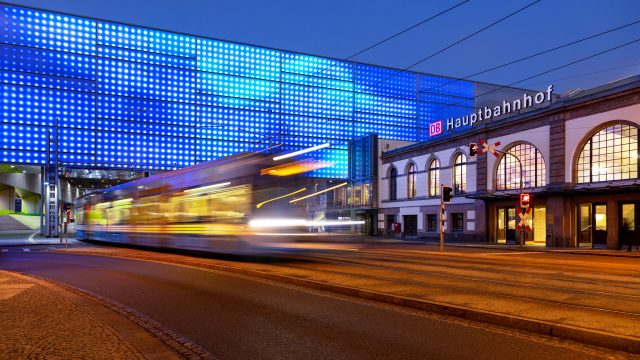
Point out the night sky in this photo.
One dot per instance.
(340, 28)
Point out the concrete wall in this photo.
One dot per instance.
(29, 182)
(28, 187)
(7, 199)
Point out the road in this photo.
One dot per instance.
(238, 318)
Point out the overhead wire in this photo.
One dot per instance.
(528, 57)
(538, 54)
(548, 71)
(585, 74)
(405, 30)
(397, 72)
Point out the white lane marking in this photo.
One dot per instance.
(515, 253)
(25, 249)
(31, 237)
(4, 250)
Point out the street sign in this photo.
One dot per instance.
(523, 214)
(488, 148)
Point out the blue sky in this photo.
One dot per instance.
(339, 28)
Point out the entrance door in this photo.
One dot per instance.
(584, 225)
(18, 204)
(507, 225)
(629, 226)
(592, 225)
(390, 220)
(411, 225)
(600, 225)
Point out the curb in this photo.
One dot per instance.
(582, 335)
(635, 254)
(152, 340)
(573, 252)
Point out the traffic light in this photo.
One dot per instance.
(525, 199)
(473, 149)
(447, 194)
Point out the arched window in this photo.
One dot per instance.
(434, 177)
(411, 181)
(610, 154)
(460, 174)
(533, 173)
(393, 184)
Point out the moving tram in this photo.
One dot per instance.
(245, 204)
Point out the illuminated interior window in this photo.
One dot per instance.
(610, 154)
(434, 177)
(411, 181)
(393, 184)
(460, 174)
(533, 173)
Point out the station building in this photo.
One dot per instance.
(576, 155)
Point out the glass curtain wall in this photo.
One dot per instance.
(138, 98)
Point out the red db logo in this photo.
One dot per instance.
(435, 128)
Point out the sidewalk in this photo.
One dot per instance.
(39, 320)
(30, 237)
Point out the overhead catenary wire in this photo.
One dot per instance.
(397, 72)
(585, 74)
(547, 71)
(528, 57)
(538, 54)
(403, 31)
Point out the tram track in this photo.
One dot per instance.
(517, 270)
(490, 263)
(518, 274)
(593, 316)
(468, 290)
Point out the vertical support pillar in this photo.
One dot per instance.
(51, 188)
(441, 219)
(41, 203)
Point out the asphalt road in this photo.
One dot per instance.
(238, 318)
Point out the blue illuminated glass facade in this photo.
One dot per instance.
(132, 97)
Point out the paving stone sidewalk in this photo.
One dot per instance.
(43, 321)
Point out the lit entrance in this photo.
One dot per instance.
(508, 220)
(629, 227)
(507, 225)
(592, 225)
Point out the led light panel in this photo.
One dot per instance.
(131, 97)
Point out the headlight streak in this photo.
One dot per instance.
(319, 192)
(258, 206)
(303, 151)
(284, 222)
(204, 188)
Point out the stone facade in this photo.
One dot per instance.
(559, 132)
